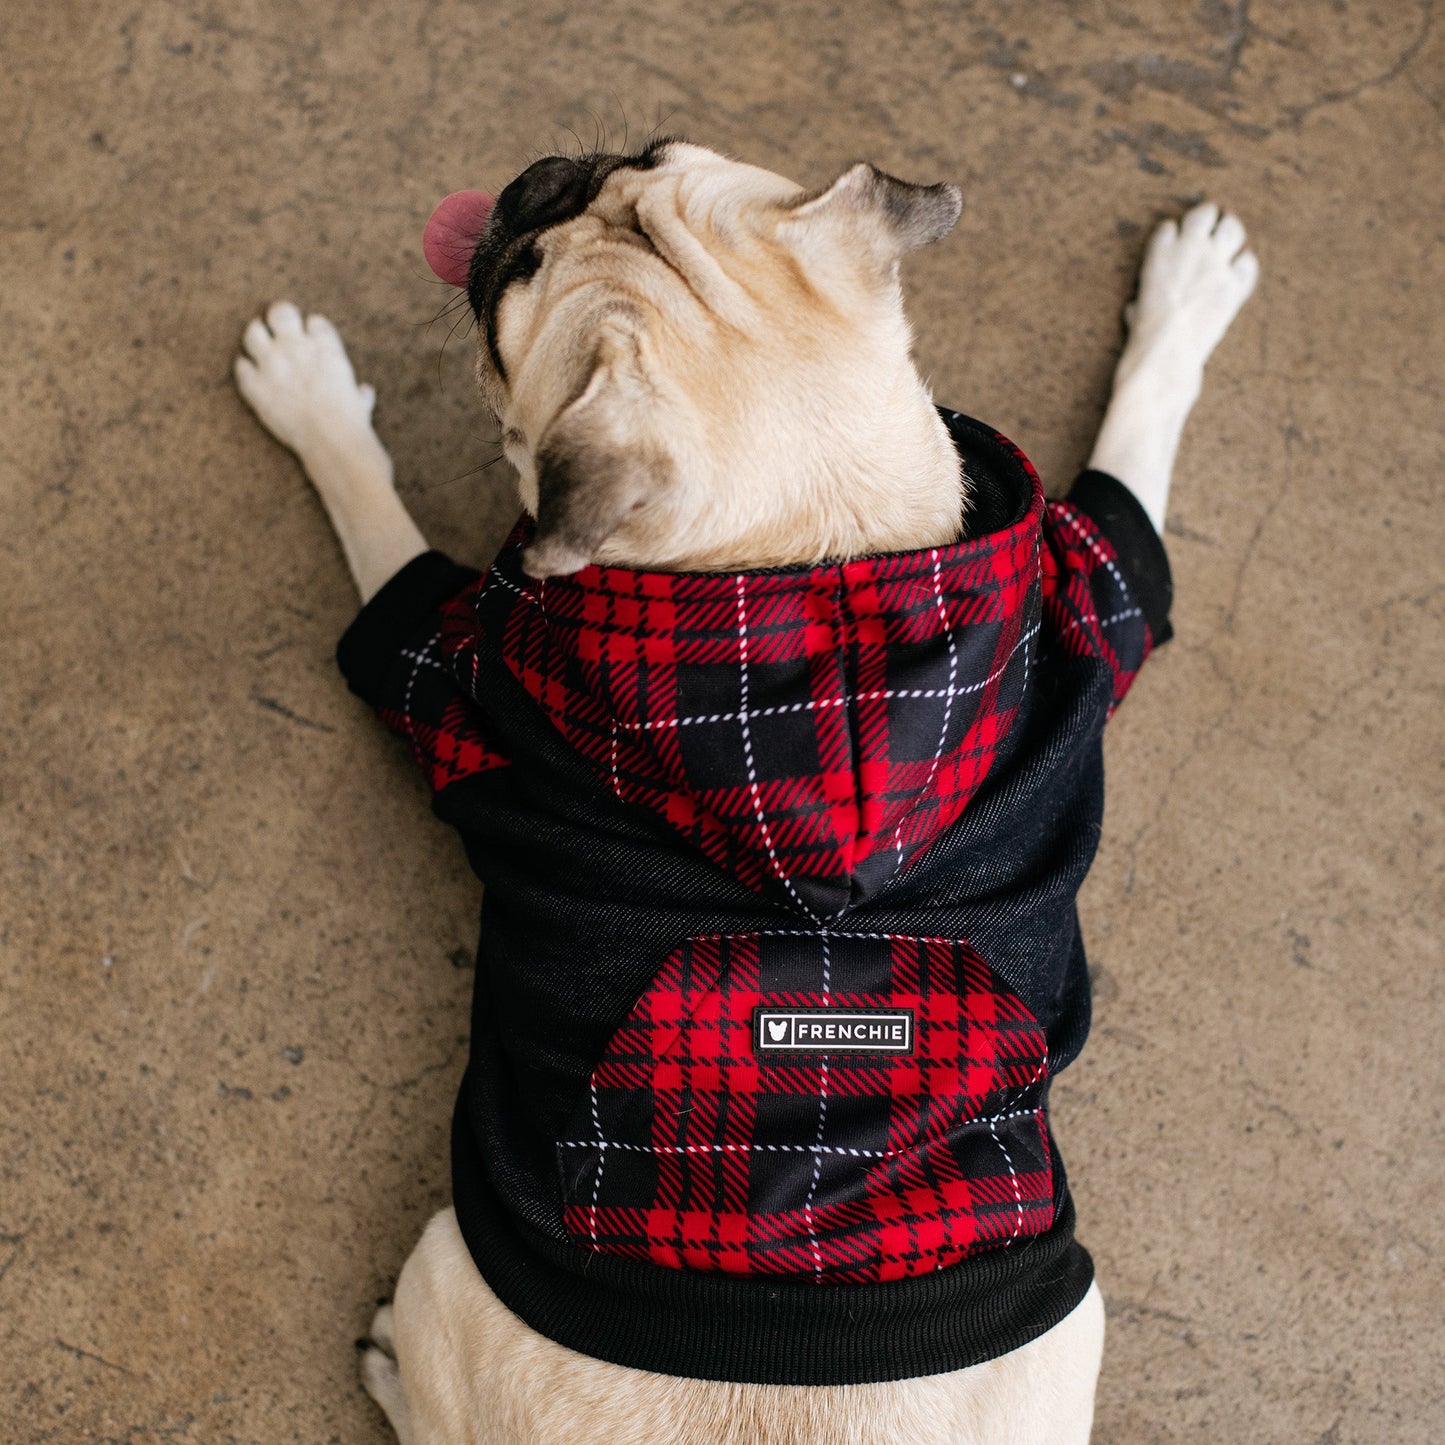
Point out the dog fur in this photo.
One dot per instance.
(709, 368)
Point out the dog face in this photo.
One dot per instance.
(679, 347)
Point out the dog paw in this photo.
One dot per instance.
(1197, 274)
(380, 1375)
(381, 1379)
(382, 1333)
(297, 378)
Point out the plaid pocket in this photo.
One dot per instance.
(696, 1148)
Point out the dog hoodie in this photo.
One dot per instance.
(779, 950)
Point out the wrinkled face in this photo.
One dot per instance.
(641, 317)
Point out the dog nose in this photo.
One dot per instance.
(549, 191)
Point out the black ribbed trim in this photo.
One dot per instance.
(369, 649)
(758, 1331)
(999, 485)
(1142, 558)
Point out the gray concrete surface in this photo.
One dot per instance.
(230, 1026)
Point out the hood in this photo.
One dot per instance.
(811, 730)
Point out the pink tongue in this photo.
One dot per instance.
(452, 234)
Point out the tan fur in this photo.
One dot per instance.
(756, 346)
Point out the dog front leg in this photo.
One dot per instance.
(298, 380)
(1196, 275)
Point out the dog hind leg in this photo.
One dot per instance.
(381, 1378)
(1196, 275)
(297, 378)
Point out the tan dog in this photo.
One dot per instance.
(698, 365)
(660, 357)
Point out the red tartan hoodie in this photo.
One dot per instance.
(779, 951)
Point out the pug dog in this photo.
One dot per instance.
(774, 735)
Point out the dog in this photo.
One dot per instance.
(774, 733)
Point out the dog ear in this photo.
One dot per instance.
(597, 462)
(897, 216)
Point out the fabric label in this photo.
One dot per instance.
(832, 1031)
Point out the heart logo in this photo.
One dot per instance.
(778, 1030)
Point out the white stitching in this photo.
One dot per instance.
(1071, 515)
(601, 1145)
(1056, 641)
(822, 1116)
(422, 658)
(723, 1148)
(1024, 690)
(1018, 1192)
(419, 659)
(873, 696)
(495, 576)
(744, 717)
(947, 707)
(991, 1120)
(1119, 617)
(835, 933)
(1014, 1179)
(1102, 621)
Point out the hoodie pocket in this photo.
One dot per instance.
(835, 1107)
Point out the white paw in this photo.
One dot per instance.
(380, 1376)
(298, 379)
(381, 1379)
(383, 1330)
(1197, 274)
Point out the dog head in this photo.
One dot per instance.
(698, 363)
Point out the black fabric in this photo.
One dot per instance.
(369, 651)
(585, 893)
(995, 499)
(1122, 519)
(714, 1327)
(540, 1022)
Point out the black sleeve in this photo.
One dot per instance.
(1138, 548)
(399, 656)
(371, 651)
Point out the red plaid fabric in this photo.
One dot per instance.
(1088, 609)
(694, 1152)
(810, 730)
(447, 734)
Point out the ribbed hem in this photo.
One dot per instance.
(369, 650)
(762, 1331)
(1120, 516)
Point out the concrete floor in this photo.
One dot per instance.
(230, 1020)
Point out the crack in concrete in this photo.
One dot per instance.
(1295, 114)
(271, 705)
(18, 1241)
(1291, 434)
(412, 1080)
(81, 1354)
(1191, 144)
(1212, 89)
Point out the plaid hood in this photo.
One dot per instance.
(870, 698)
(779, 952)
